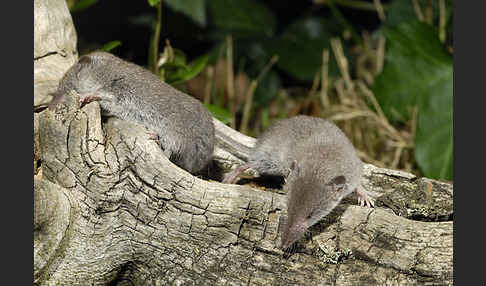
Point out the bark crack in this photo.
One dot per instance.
(62, 53)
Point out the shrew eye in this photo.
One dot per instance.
(310, 215)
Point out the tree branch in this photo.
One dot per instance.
(138, 210)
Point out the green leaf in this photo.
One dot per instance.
(82, 5)
(267, 89)
(300, 47)
(434, 141)
(415, 61)
(419, 72)
(153, 3)
(400, 11)
(194, 9)
(173, 66)
(242, 17)
(178, 62)
(192, 70)
(403, 11)
(179, 57)
(219, 113)
(111, 45)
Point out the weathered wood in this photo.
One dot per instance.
(136, 216)
(54, 47)
(110, 208)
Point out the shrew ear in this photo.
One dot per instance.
(311, 212)
(339, 180)
(337, 183)
(85, 60)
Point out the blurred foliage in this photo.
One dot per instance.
(300, 47)
(388, 84)
(81, 5)
(195, 9)
(418, 71)
(403, 11)
(111, 45)
(219, 113)
(247, 18)
(153, 3)
(186, 72)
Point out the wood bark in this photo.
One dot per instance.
(54, 47)
(110, 209)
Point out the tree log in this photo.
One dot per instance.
(110, 208)
(54, 47)
(134, 216)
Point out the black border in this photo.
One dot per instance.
(18, 121)
(468, 89)
(468, 129)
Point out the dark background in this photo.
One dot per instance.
(109, 20)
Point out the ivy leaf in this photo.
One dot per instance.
(82, 5)
(301, 45)
(110, 46)
(415, 62)
(419, 72)
(219, 113)
(153, 3)
(404, 11)
(434, 139)
(194, 9)
(267, 89)
(179, 60)
(242, 17)
(185, 74)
